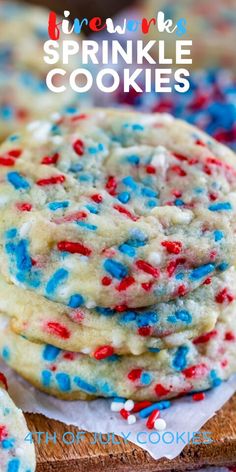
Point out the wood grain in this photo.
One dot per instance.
(130, 458)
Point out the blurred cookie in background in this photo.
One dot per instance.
(24, 95)
(211, 25)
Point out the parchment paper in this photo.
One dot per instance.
(183, 418)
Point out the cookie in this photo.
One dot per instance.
(193, 366)
(115, 209)
(24, 95)
(105, 330)
(210, 26)
(16, 454)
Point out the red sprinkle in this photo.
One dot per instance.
(103, 352)
(3, 432)
(78, 147)
(73, 248)
(124, 413)
(24, 206)
(161, 390)
(180, 157)
(144, 331)
(69, 356)
(152, 418)
(125, 212)
(173, 247)
(148, 268)
(78, 215)
(140, 406)
(125, 283)
(204, 338)
(207, 281)
(7, 161)
(195, 371)
(106, 281)
(97, 198)
(50, 159)
(134, 374)
(58, 179)
(150, 169)
(57, 329)
(111, 185)
(147, 286)
(198, 397)
(224, 296)
(229, 336)
(182, 290)
(15, 153)
(178, 170)
(121, 308)
(3, 380)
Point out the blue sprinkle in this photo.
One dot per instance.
(179, 361)
(58, 277)
(57, 205)
(128, 316)
(119, 399)
(221, 206)
(183, 315)
(14, 137)
(154, 349)
(50, 353)
(179, 276)
(147, 319)
(223, 266)
(133, 159)
(84, 385)
(104, 311)
(130, 182)
(152, 203)
(216, 381)
(46, 378)
(218, 235)
(201, 271)
(146, 378)
(155, 406)
(6, 353)
(148, 192)
(13, 465)
(63, 381)
(23, 259)
(137, 127)
(8, 443)
(92, 209)
(178, 202)
(76, 301)
(11, 233)
(127, 249)
(115, 269)
(86, 225)
(18, 182)
(123, 197)
(138, 236)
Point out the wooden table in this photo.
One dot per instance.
(130, 458)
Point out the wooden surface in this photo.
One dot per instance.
(85, 457)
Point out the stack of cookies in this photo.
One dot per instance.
(117, 249)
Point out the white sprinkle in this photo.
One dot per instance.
(131, 419)
(90, 304)
(117, 406)
(129, 405)
(40, 130)
(85, 350)
(154, 258)
(160, 424)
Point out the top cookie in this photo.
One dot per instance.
(114, 208)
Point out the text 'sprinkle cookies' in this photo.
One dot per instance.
(24, 95)
(102, 332)
(193, 366)
(16, 454)
(115, 209)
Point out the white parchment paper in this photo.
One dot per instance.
(183, 417)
